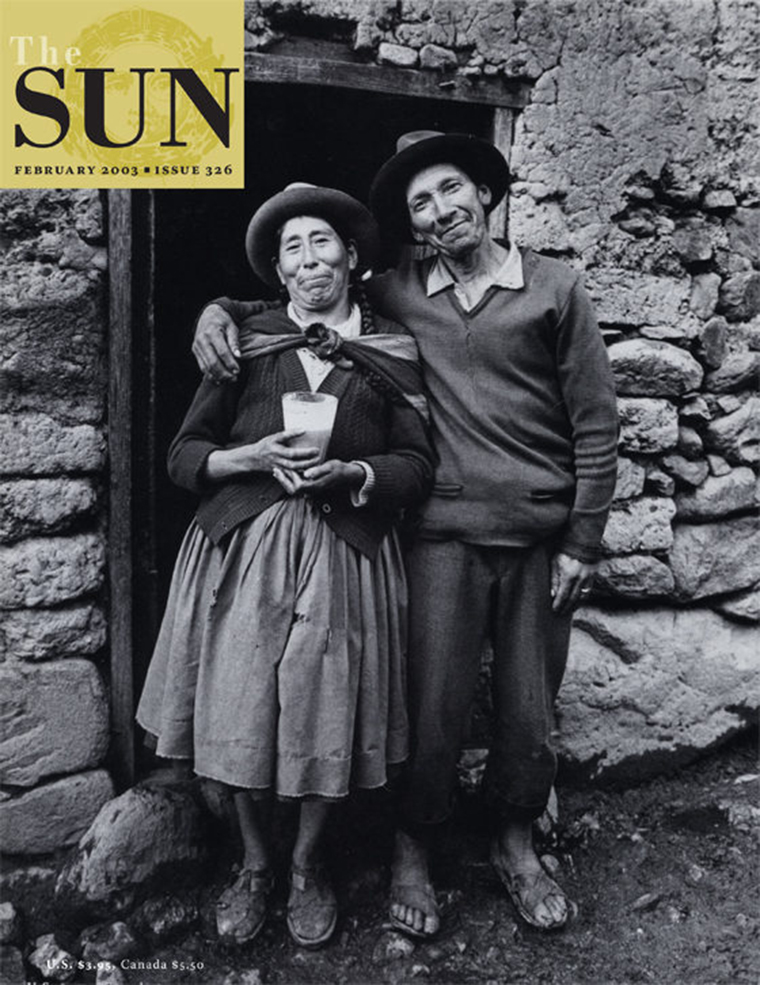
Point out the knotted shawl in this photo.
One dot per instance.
(391, 363)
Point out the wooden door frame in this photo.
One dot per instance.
(131, 532)
(131, 350)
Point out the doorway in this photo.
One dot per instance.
(333, 137)
(328, 136)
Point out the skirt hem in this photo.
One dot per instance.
(262, 792)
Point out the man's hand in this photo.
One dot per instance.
(215, 345)
(333, 475)
(571, 580)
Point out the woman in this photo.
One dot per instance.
(279, 667)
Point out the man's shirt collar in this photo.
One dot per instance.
(509, 275)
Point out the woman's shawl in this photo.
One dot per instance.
(391, 362)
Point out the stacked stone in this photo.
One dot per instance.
(650, 685)
(690, 443)
(625, 164)
(52, 539)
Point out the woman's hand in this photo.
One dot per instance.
(290, 480)
(320, 478)
(265, 455)
(333, 475)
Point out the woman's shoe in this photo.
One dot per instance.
(312, 907)
(242, 908)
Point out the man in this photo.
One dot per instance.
(525, 425)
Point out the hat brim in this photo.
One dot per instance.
(478, 158)
(348, 216)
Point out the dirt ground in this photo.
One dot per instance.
(665, 876)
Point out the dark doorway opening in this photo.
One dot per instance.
(336, 137)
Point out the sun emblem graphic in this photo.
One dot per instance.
(139, 38)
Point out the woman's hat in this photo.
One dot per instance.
(417, 150)
(349, 218)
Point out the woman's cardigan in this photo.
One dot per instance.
(388, 434)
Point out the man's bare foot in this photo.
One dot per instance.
(413, 906)
(537, 897)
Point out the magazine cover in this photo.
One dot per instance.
(379, 554)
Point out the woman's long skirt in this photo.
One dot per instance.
(281, 661)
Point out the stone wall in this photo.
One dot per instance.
(52, 518)
(637, 160)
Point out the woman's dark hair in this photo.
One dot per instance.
(390, 392)
(359, 295)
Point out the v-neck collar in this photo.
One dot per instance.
(295, 377)
(468, 313)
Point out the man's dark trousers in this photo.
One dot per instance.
(461, 595)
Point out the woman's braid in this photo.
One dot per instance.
(368, 318)
(376, 381)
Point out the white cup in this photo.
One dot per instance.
(312, 413)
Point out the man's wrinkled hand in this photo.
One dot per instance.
(571, 581)
(215, 345)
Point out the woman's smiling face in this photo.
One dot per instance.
(314, 264)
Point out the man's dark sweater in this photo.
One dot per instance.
(523, 407)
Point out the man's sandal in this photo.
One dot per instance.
(241, 910)
(418, 896)
(527, 891)
(312, 907)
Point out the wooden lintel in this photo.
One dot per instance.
(275, 68)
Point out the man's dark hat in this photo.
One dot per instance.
(417, 150)
(349, 218)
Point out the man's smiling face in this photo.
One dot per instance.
(447, 209)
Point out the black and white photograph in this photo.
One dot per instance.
(379, 541)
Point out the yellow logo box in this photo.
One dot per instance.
(104, 94)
